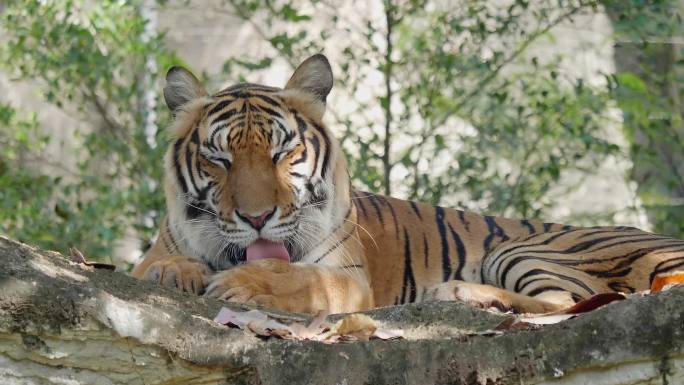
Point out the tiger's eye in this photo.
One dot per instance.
(224, 162)
(214, 161)
(277, 157)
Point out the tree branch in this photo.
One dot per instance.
(522, 48)
(387, 71)
(58, 317)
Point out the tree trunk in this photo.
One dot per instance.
(66, 323)
(653, 116)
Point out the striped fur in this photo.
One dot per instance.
(430, 245)
(251, 148)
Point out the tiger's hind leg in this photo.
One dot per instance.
(567, 266)
(487, 296)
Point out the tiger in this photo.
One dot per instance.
(261, 210)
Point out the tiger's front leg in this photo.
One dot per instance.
(304, 288)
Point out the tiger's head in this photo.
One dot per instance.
(252, 172)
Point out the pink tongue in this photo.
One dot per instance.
(262, 249)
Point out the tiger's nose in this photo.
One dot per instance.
(256, 221)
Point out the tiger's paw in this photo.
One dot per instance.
(183, 273)
(473, 294)
(271, 283)
(489, 297)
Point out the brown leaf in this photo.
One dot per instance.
(285, 334)
(269, 327)
(525, 323)
(348, 338)
(318, 321)
(298, 329)
(486, 333)
(546, 319)
(594, 302)
(315, 330)
(512, 323)
(506, 324)
(532, 322)
(78, 257)
(353, 327)
(360, 326)
(387, 334)
(239, 319)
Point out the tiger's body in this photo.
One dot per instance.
(253, 175)
(557, 263)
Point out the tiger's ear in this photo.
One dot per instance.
(181, 87)
(314, 76)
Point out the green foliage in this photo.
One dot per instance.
(469, 115)
(648, 89)
(90, 60)
(449, 105)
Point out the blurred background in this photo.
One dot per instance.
(565, 110)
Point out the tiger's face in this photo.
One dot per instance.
(250, 173)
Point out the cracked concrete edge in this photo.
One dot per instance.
(47, 298)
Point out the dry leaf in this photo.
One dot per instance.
(239, 318)
(353, 327)
(298, 329)
(525, 326)
(318, 321)
(268, 328)
(78, 257)
(360, 326)
(534, 321)
(512, 323)
(486, 333)
(507, 323)
(387, 334)
(594, 302)
(348, 338)
(524, 323)
(546, 319)
(285, 334)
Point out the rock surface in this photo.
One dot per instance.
(65, 323)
